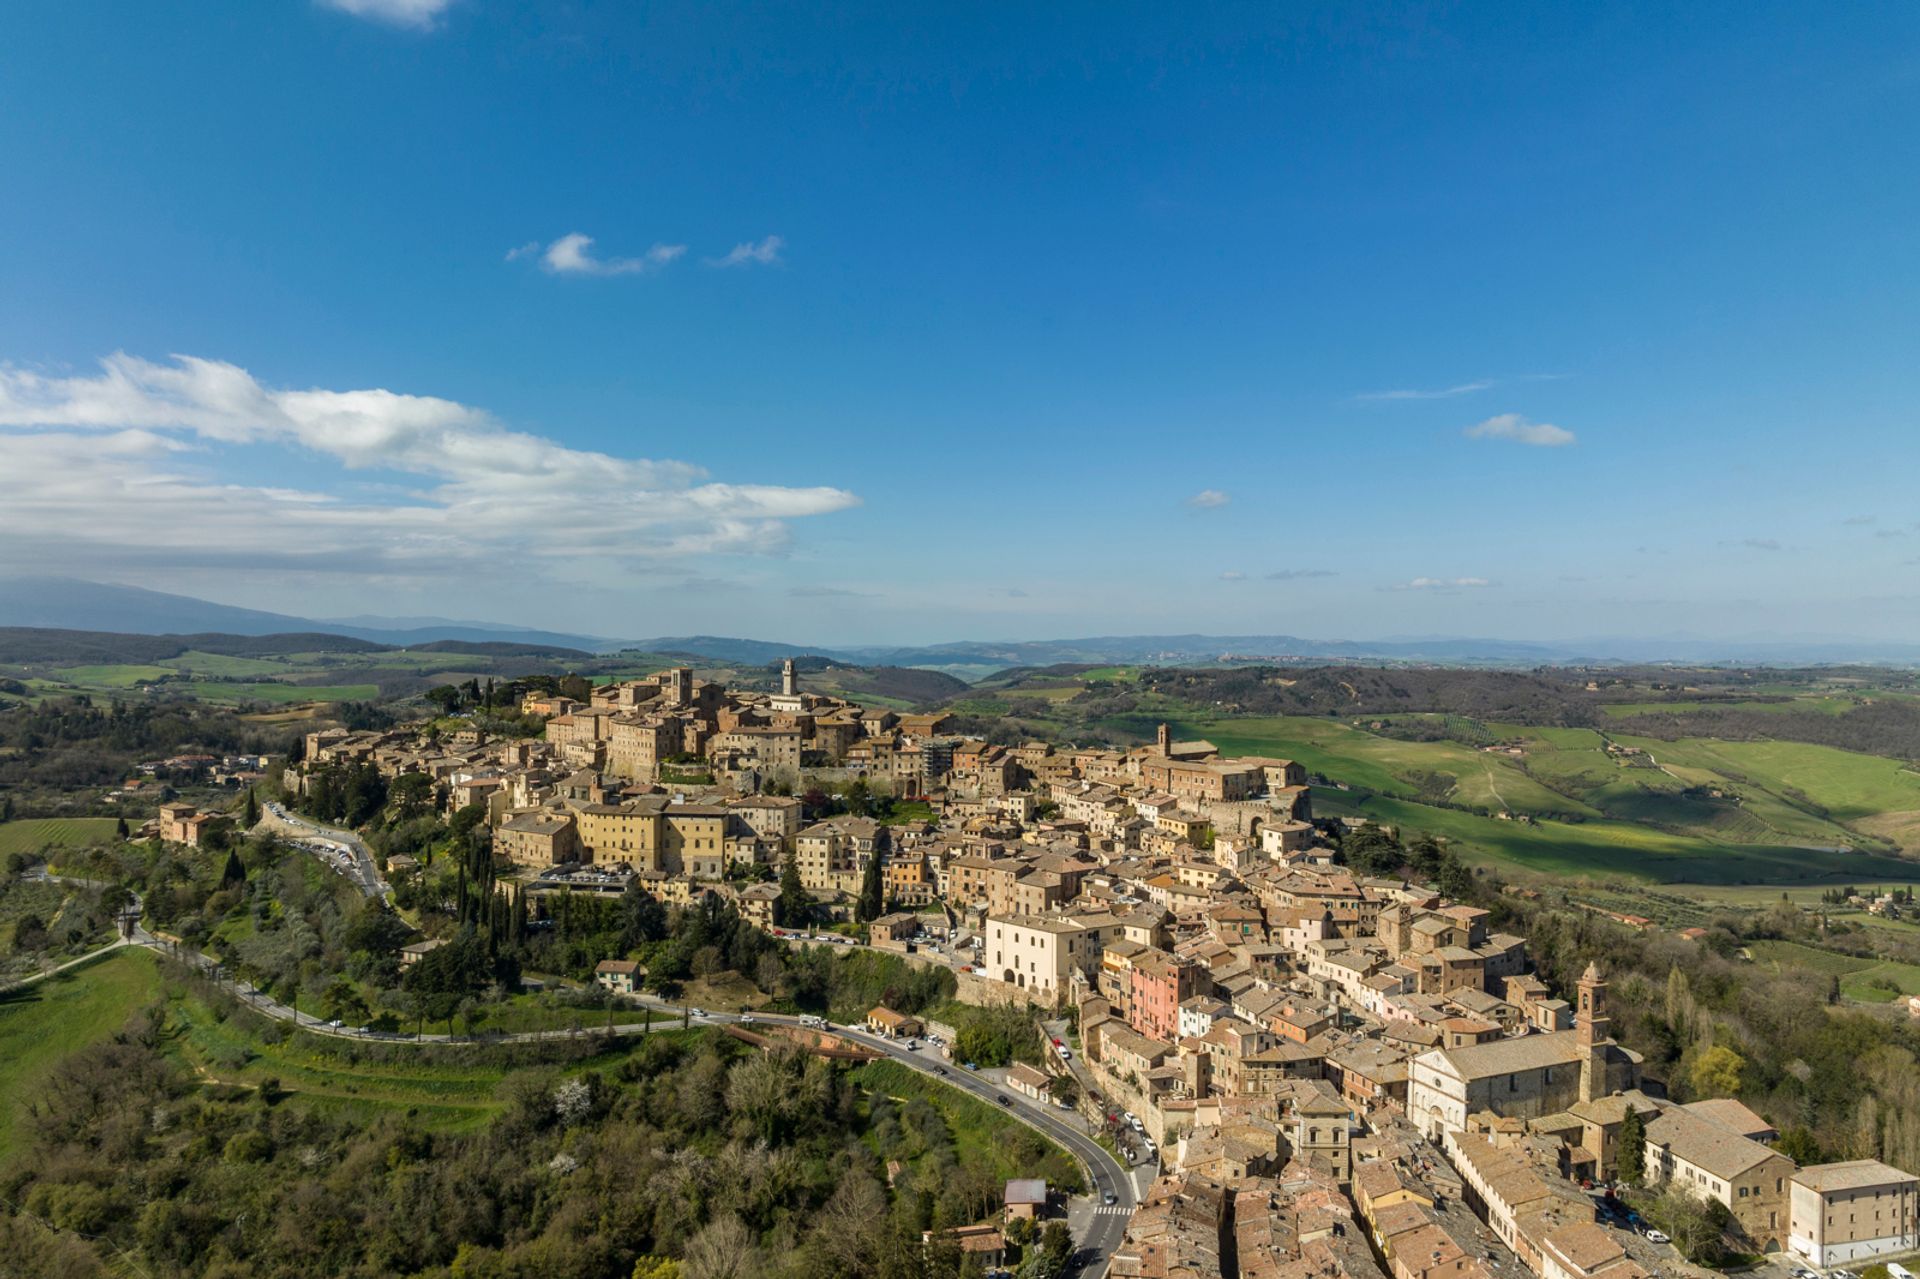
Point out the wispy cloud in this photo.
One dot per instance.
(120, 468)
(1208, 500)
(1758, 544)
(753, 252)
(1457, 390)
(1442, 584)
(1860, 519)
(1511, 426)
(573, 255)
(399, 13)
(1233, 575)
(1441, 393)
(1299, 574)
(827, 593)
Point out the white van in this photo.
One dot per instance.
(1898, 1271)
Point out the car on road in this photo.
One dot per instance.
(335, 1024)
(1004, 1100)
(1656, 1236)
(969, 1065)
(696, 1012)
(746, 1019)
(939, 1070)
(1109, 1198)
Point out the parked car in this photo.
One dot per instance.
(1657, 1236)
(1004, 1100)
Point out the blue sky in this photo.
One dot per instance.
(956, 322)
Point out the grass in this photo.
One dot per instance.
(283, 694)
(1611, 849)
(449, 1090)
(118, 676)
(60, 1015)
(980, 1131)
(1872, 981)
(39, 834)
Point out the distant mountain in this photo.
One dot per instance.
(720, 648)
(69, 604)
(65, 603)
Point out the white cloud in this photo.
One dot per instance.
(1511, 426)
(1209, 499)
(399, 13)
(1442, 584)
(115, 468)
(1298, 574)
(762, 252)
(573, 255)
(1233, 575)
(1444, 393)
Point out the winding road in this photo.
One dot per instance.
(1097, 1225)
(361, 867)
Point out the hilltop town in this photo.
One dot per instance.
(1332, 1073)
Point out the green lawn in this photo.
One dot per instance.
(38, 834)
(44, 1022)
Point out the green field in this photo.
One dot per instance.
(44, 1022)
(979, 1130)
(283, 694)
(1866, 980)
(1608, 849)
(38, 834)
(114, 676)
(446, 1088)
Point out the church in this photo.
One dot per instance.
(1524, 1077)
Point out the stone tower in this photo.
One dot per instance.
(789, 679)
(1165, 739)
(1595, 1031)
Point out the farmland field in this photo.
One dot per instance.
(37, 834)
(44, 1022)
(1867, 980)
(1607, 849)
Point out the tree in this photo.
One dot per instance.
(872, 903)
(1631, 1153)
(235, 872)
(120, 830)
(1798, 1144)
(1717, 1072)
(793, 907)
(723, 1249)
(252, 809)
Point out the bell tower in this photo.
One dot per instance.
(1595, 1031)
(789, 680)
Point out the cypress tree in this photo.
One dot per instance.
(1632, 1150)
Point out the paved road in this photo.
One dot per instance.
(361, 867)
(1106, 1223)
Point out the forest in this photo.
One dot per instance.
(694, 1158)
